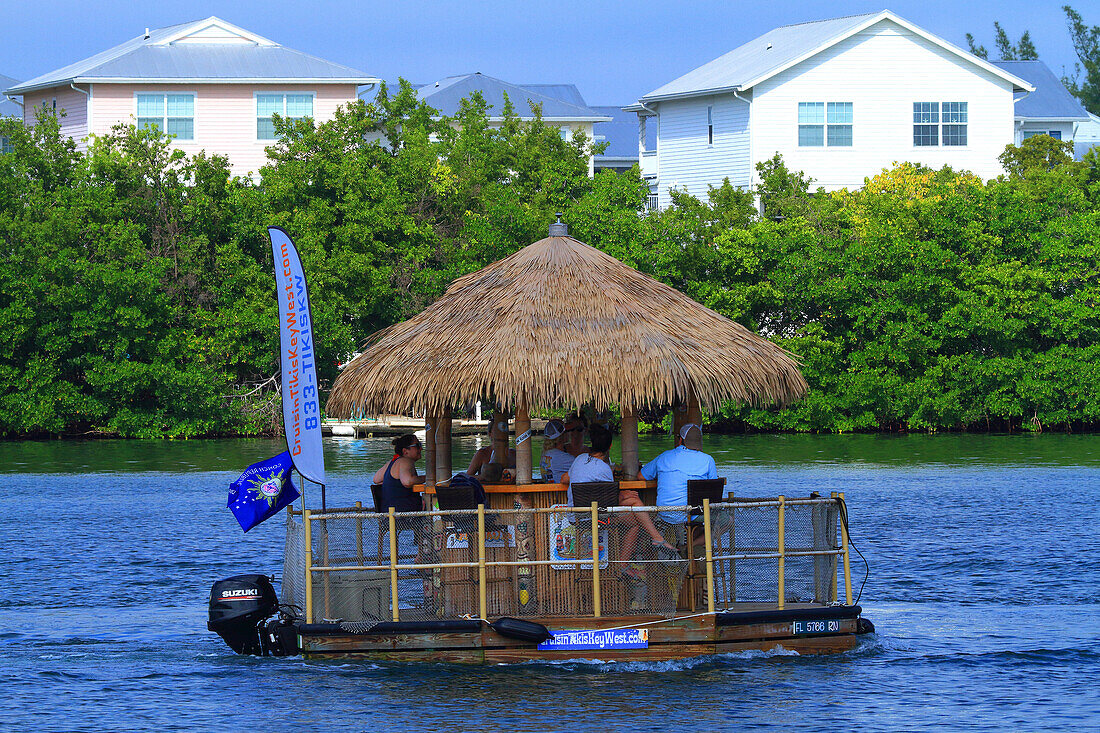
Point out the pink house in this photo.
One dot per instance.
(210, 85)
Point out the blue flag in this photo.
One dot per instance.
(301, 399)
(262, 491)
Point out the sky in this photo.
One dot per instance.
(613, 51)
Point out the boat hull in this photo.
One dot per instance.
(668, 639)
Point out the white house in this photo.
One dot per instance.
(209, 84)
(840, 99)
(1050, 109)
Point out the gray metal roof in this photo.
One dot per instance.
(1050, 100)
(446, 94)
(781, 48)
(153, 58)
(565, 92)
(7, 107)
(621, 134)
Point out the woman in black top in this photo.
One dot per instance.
(399, 476)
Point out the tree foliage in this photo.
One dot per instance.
(1086, 43)
(138, 297)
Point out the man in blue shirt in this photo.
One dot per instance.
(675, 467)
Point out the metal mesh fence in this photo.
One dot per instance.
(538, 562)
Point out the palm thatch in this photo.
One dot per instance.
(560, 323)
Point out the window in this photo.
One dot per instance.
(926, 123)
(290, 106)
(954, 123)
(710, 125)
(1056, 134)
(566, 133)
(821, 124)
(928, 130)
(5, 145)
(172, 114)
(811, 124)
(840, 124)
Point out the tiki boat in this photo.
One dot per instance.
(524, 576)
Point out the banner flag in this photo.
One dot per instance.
(262, 491)
(301, 401)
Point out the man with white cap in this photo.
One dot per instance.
(675, 467)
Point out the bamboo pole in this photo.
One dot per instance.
(629, 441)
(359, 533)
(709, 556)
(393, 565)
(844, 541)
(694, 411)
(325, 559)
(832, 585)
(482, 583)
(309, 565)
(595, 559)
(524, 467)
(443, 446)
(679, 418)
(782, 548)
(431, 424)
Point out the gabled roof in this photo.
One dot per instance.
(446, 94)
(9, 108)
(1050, 100)
(208, 50)
(777, 50)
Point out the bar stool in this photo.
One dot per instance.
(697, 491)
(605, 494)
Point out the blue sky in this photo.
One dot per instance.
(613, 51)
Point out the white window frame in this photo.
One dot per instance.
(284, 93)
(164, 118)
(940, 124)
(825, 125)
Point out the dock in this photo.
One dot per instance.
(393, 425)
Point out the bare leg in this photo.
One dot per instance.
(643, 519)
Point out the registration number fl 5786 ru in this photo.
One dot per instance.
(815, 627)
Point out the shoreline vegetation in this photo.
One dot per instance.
(138, 297)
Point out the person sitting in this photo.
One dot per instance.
(556, 460)
(574, 428)
(399, 476)
(675, 467)
(595, 465)
(488, 466)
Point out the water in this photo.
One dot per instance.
(984, 587)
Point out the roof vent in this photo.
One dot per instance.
(147, 33)
(769, 48)
(558, 228)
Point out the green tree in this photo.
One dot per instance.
(1086, 43)
(1023, 50)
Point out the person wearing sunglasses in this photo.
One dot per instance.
(399, 476)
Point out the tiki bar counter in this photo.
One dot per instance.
(521, 575)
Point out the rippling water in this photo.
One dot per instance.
(984, 587)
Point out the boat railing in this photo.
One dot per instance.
(356, 565)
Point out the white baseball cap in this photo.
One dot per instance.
(687, 429)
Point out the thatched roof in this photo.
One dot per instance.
(563, 324)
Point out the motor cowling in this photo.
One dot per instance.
(237, 607)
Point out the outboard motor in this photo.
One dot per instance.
(238, 606)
